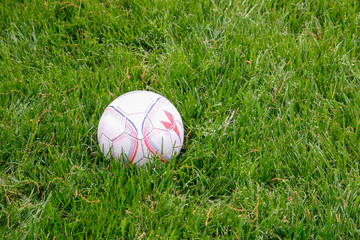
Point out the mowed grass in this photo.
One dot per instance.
(268, 92)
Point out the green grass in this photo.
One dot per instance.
(285, 166)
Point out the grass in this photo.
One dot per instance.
(268, 92)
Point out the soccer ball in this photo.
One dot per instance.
(140, 127)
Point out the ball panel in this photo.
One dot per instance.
(147, 126)
(112, 124)
(159, 143)
(153, 96)
(154, 105)
(125, 147)
(105, 146)
(136, 120)
(135, 102)
(165, 115)
(101, 125)
(140, 153)
(131, 129)
(172, 109)
(181, 131)
(176, 138)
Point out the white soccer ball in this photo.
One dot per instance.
(141, 126)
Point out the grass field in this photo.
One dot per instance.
(268, 92)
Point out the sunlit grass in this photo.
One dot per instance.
(268, 92)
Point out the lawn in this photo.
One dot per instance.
(269, 93)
